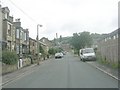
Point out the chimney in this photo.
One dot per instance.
(17, 22)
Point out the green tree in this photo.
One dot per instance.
(51, 51)
(81, 40)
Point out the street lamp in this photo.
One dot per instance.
(38, 43)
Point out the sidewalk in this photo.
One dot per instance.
(105, 68)
(16, 74)
(20, 72)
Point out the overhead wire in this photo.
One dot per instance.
(23, 11)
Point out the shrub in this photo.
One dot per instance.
(52, 51)
(9, 58)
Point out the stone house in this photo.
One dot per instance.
(22, 38)
(48, 43)
(32, 46)
(8, 34)
(0, 28)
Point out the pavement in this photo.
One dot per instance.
(113, 72)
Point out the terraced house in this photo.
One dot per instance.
(8, 34)
(22, 38)
(32, 46)
(0, 28)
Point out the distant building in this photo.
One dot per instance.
(47, 42)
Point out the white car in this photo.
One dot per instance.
(87, 54)
(59, 55)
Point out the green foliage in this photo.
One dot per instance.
(52, 51)
(41, 50)
(9, 58)
(81, 40)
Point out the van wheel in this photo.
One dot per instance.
(83, 60)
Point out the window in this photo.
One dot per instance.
(117, 36)
(9, 45)
(17, 49)
(25, 36)
(6, 15)
(21, 34)
(9, 29)
(114, 37)
(109, 37)
(43, 40)
(20, 49)
(105, 39)
(17, 33)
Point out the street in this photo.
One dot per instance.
(66, 72)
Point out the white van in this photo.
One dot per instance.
(87, 54)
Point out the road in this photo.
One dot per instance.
(68, 72)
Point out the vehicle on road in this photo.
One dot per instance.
(87, 54)
(59, 55)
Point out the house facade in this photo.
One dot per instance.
(108, 47)
(22, 38)
(32, 46)
(0, 28)
(8, 34)
(47, 42)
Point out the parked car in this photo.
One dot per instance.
(59, 55)
(87, 54)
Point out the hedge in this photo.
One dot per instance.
(9, 57)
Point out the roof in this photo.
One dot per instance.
(5, 9)
(42, 43)
(32, 39)
(110, 34)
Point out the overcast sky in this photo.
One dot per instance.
(65, 17)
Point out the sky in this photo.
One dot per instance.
(64, 17)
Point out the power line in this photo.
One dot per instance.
(23, 11)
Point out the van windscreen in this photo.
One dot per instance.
(88, 50)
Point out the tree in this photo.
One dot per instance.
(81, 40)
(52, 51)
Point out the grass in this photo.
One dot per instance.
(104, 61)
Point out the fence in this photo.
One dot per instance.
(109, 50)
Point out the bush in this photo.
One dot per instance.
(9, 58)
(52, 51)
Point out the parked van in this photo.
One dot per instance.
(87, 54)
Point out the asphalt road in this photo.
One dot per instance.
(68, 72)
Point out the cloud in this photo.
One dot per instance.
(67, 16)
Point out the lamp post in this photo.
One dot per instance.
(38, 43)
